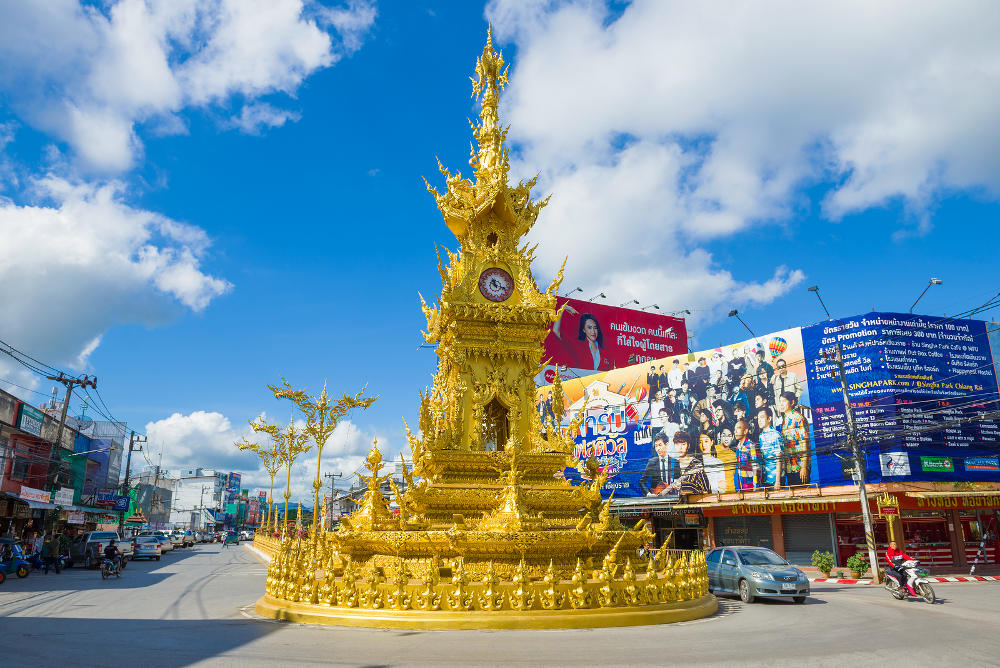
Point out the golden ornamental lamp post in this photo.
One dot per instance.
(270, 458)
(291, 443)
(322, 417)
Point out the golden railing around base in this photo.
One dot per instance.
(266, 544)
(312, 586)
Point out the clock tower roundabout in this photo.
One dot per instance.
(489, 534)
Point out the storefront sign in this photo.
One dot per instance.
(106, 498)
(943, 464)
(121, 503)
(692, 519)
(960, 502)
(888, 510)
(30, 420)
(63, 496)
(782, 508)
(75, 517)
(31, 494)
(982, 464)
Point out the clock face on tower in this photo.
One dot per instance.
(496, 284)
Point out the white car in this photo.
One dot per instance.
(165, 543)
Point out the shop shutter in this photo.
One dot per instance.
(743, 531)
(804, 534)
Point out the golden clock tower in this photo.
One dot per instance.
(488, 532)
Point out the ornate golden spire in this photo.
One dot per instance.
(490, 162)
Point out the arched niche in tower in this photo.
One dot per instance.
(496, 425)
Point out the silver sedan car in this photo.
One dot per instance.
(147, 547)
(754, 572)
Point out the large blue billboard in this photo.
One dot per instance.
(769, 412)
(918, 385)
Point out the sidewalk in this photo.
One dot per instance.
(984, 573)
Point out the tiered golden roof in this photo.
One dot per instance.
(487, 522)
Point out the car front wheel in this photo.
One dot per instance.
(745, 594)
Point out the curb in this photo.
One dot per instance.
(966, 578)
(257, 553)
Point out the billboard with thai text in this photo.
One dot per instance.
(922, 387)
(592, 337)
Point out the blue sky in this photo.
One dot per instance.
(199, 197)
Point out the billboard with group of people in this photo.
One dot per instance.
(769, 412)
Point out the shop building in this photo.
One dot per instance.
(45, 484)
(945, 528)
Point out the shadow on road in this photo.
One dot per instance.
(27, 641)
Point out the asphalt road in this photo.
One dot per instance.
(194, 608)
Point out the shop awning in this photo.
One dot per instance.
(38, 505)
(939, 495)
(88, 509)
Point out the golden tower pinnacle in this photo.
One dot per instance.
(488, 532)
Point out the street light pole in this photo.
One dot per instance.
(815, 289)
(736, 314)
(329, 512)
(933, 281)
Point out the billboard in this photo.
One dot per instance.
(769, 412)
(918, 384)
(696, 427)
(592, 337)
(232, 489)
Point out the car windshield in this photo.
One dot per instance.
(760, 558)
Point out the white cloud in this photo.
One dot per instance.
(254, 119)
(83, 256)
(205, 439)
(91, 76)
(675, 124)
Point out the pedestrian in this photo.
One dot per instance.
(50, 554)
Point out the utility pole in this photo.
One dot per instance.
(859, 460)
(132, 439)
(329, 511)
(85, 381)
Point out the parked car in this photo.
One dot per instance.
(754, 572)
(165, 543)
(246, 535)
(176, 539)
(147, 547)
(88, 548)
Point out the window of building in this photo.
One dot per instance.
(20, 469)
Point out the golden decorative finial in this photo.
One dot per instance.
(490, 161)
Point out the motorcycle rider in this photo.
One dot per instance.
(113, 554)
(895, 557)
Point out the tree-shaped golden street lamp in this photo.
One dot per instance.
(270, 457)
(291, 443)
(322, 416)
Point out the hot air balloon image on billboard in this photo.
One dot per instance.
(777, 346)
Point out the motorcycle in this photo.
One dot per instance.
(911, 569)
(108, 569)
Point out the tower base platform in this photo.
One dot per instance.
(664, 613)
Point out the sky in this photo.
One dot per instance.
(198, 198)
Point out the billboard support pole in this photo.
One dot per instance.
(859, 465)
